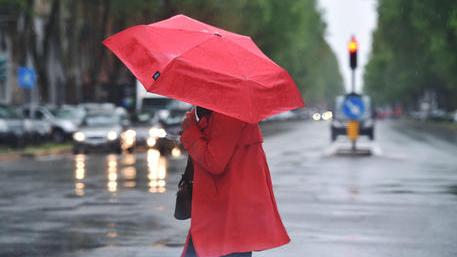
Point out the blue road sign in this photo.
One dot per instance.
(26, 77)
(354, 107)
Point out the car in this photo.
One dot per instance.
(340, 121)
(63, 121)
(162, 133)
(149, 132)
(104, 131)
(12, 130)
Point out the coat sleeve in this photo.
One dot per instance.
(213, 152)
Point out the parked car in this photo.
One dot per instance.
(36, 130)
(62, 124)
(340, 121)
(104, 131)
(74, 114)
(11, 126)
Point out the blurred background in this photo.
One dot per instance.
(89, 161)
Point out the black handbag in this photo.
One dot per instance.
(183, 206)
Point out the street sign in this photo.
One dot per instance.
(353, 107)
(26, 77)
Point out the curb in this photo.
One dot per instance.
(13, 156)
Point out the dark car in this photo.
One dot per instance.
(340, 121)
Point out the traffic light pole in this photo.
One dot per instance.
(354, 142)
(353, 80)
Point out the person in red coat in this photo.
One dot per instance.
(233, 206)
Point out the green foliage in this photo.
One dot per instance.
(414, 52)
(291, 32)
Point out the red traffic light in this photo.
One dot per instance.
(353, 46)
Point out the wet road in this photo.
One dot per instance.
(401, 201)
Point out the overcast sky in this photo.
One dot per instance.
(345, 18)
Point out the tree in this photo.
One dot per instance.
(63, 39)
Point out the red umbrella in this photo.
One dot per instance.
(194, 62)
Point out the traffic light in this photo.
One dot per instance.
(353, 47)
(3, 68)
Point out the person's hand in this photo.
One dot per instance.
(188, 121)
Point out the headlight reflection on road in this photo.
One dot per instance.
(128, 139)
(112, 172)
(157, 171)
(128, 172)
(80, 173)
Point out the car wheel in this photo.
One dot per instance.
(78, 150)
(58, 136)
(334, 135)
(117, 150)
(371, 134)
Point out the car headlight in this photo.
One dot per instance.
(316, 116)
(327, 115)
(157, 132)
(129, 137)
(112, 135)
(79, 136)
(176, 152)
(130, 133)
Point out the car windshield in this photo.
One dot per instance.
(101, 121)
(154, 104)
(68, 114)
(178, 105)
(8, 113)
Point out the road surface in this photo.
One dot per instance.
(400, 201)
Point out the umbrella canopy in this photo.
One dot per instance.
(194, 62)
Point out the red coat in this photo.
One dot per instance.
(233, 206)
